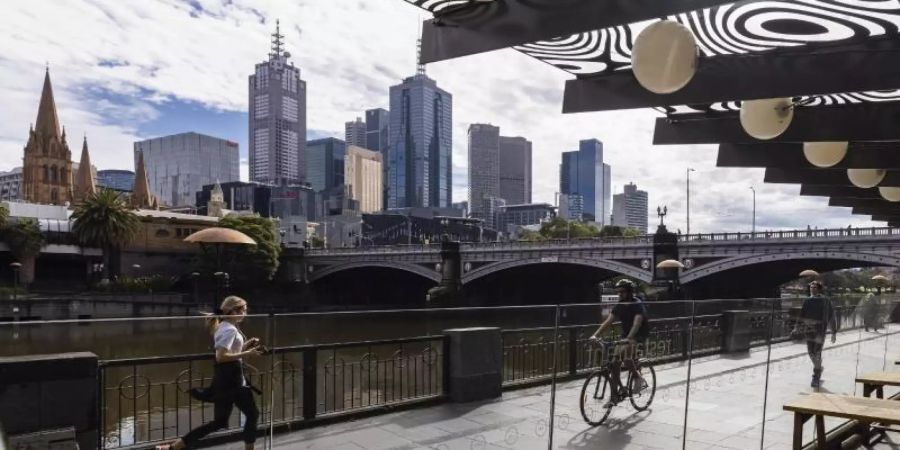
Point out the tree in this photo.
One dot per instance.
(25, 241)
(531, 236)
(4, 216)
(104, 219)
(560, 228)
(246, 264)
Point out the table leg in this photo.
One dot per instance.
(820, 432)
(867, 389)
(799, 419)
(881, 392)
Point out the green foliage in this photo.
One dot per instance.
(6, 292)
(104, 220)
(629, 232)
(153, 283)
(4, 216)
(316, 242)
(245, 264)
(24, 238)
(531, 236)
(560, 228)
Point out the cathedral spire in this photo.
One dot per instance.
(47, 121)
(84, 183)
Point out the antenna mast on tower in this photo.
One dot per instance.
(277, 44)
(420, 68)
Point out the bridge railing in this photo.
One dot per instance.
(792, 234)
(376, 249)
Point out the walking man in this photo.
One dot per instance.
(816, 315)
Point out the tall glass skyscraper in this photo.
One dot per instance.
(325, 163)
(277, 119)
(583, 172)
(420, 144)
(377, 138)
(178, 166)
(120, 180)
(484, 167)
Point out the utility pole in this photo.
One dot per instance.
(753, 229)
(689, 170)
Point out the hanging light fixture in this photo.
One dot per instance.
(766, 118)
(664, 57)
(866, 178)
(891, 194)
(825, 154)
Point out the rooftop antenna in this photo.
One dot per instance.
(277, 44)
(420, 68)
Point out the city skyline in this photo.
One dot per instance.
(195, 80)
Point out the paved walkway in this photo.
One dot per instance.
(727, 394)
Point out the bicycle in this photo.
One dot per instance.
(640, 388)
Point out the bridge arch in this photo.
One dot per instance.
(612, 266)
(751, 260)
(407, 267)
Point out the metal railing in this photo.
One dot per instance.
(792, 234)
(146, 400)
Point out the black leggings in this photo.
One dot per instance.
(814, 349)
(243, 400)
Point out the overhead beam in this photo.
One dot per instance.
(482, 26)
(860, 155)
(821, 177)
(886, 217)
(864, 202)
(839, 191)
(869, 121)
(875, 211)
(788, 72)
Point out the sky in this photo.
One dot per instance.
(127, 71)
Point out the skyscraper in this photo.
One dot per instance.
(583, 172)
(325, 163)
(420, 161)
(362, 175)
(120, 180)
(355, 133)
(630, 208)
(179, 165)
(515, 170)
(377, 136)
(277, 119)
(484, 167)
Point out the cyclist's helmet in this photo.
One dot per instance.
(626, 284)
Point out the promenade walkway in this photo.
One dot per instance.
(727, 395)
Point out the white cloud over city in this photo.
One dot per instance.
(115, 65)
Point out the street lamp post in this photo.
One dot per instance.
(16, 266)
(753, 229)
(195, 276)
(688, 208)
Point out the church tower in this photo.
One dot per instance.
(216, 205)
(141, 197)
(47, 168)
(84, 184)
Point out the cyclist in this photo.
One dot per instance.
(635, 327)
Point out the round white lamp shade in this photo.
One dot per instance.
(825, 154)
(891, 194)
(767, 118)
(664, 57)
(866, 178)
(670, 264)
(809, 273)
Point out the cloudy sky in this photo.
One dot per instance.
(126, 70)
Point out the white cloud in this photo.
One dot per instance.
(350, 52)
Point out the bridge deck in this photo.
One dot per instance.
(726, 408)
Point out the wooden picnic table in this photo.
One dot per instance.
(876, 381)
(818, 405)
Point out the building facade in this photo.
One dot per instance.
(355, 133)
(631, 208)
(420, 144)
(11, 185)
(515, 170)
(277, 119)
(484, 168)
(571, 206)
(490, 208)
(180, 165)
(47, 169)
(512, 216)
(583, 172)
(325, 163)
(119, 180)
(363, 177)
(377, 137)
(462, 206)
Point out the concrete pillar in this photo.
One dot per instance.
(475, 363)
(735, 331)
(48, 392)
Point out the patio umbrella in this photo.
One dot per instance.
(219, 237)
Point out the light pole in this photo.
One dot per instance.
(753, 229)
(16, 266)
(688, 173)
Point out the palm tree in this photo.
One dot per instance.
(104, 219)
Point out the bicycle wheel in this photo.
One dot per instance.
(594, 396)
(642, 389)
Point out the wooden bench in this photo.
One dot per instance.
(863, 410)
(876, 381)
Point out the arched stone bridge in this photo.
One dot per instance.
(704, 255)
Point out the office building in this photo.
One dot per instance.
(630, 208)
(377, 136)
(325, 163)
(277, 119)
(117, 180)
(515, 170)
(362, 175)
(571, 206)
(513, 216)
(11, 185)
(490, 207)
(462, 206)
(484, 170)
(355, 133)
(583, 172)
(179, 165)
(420, 144)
